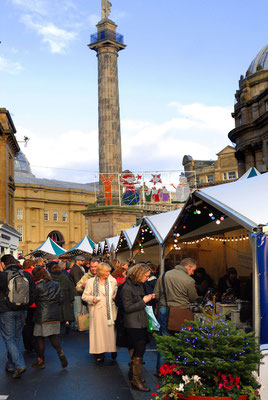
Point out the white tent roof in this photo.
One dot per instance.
(96, 248)
(130, 235)
(49, 247)
(245, 201)
(250, 173)
(112, 242)
(86, 245)
(161, 224)
(101, 246)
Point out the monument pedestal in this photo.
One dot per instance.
(105, 222)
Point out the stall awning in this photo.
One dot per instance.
(112, 242)
(245, 201)
(48, 247)
(84, 247)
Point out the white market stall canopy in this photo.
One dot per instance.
(243, 203)
(84, 247)
(126, 239)
(48, 247)
(112, 243)
(101, 247)
(161, 224)
(250, 173)
(245, 200)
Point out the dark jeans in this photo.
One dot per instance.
(11, 325)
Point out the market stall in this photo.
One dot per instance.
(48, 247)
(224, 224)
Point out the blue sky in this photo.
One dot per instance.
(177, 78)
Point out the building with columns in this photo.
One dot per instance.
(9, 148)
(250, 134)
(49, 208)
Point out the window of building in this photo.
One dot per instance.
(20, 230)
(55, 216)
(240, 121)
(231, 175)
(64, 216)
(46, 215)
(224, 176)
(163, 207)
(266, 105)
(210, 178)
(19, 213)
(197, 180)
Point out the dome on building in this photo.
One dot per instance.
(260, 62)
(22, 165)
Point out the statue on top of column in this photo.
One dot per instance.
(105, 9)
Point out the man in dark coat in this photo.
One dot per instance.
(75, 275)
(12, 317)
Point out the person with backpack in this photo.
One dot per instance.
(17, 293)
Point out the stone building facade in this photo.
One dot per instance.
(9, 148)
(250, 134)
(211, 172)
(47, 207)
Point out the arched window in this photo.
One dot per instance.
(57, 237)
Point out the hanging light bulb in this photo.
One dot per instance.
(198, 212)
(210, 214)
(218, 221)
(222, 218)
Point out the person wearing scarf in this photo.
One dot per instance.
(99, 294)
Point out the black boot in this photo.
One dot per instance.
(130, 371)
(136, 380)
(63, 359)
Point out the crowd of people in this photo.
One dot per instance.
(41, 298)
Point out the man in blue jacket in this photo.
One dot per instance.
(12, 316)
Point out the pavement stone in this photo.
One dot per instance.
(82, 379)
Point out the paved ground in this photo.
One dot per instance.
(82, 379)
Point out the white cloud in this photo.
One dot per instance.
(198, 130)
(69, 151)
(56, 22)
(10, 67)
(58, 39)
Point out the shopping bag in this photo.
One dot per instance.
(153, 323)
(83, 320)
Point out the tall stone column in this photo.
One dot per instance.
(107, 43)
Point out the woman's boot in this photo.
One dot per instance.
(63, 359)
(130, 371)
(40, 364)
(136, 380)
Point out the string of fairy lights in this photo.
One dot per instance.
(222, 239)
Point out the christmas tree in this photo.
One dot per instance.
(209, 357)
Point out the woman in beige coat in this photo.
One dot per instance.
(99, 293)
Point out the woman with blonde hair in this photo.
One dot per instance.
(99, 294)
(136, 321)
